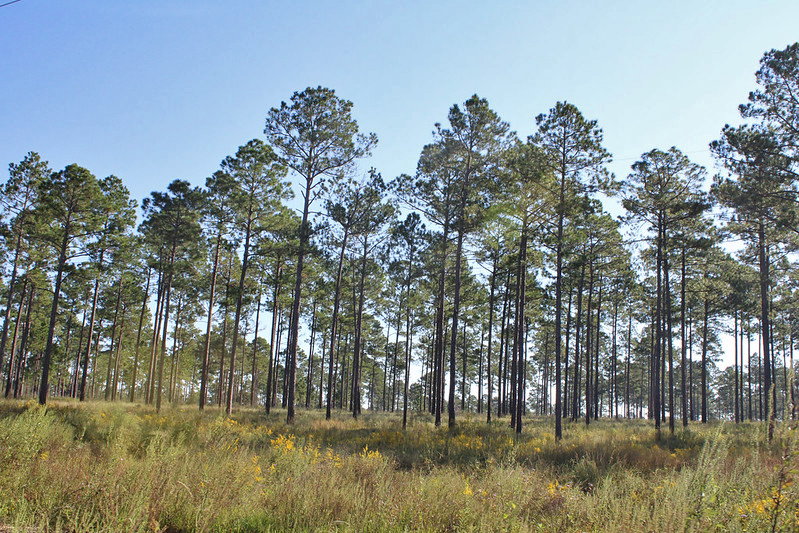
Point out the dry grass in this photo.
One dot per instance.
(115, 467)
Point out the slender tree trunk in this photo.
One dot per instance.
(239, 299)
(309, 375)
(270, 378)
(285, 398)
(209, 322)
(294, 327)
(255, 381)
(117, 356)
(13, 357)
(691, 366)
(408, 347)
(576, 384)
(565, 404)
(597, 409)
(150, 386)
(545, 410)
(456, 306)
(520, 320)
(73, 392)
(95, 355)
(167, 297)
(394, 370)
(322, 372)
(589, 340)
(480, 371)
(134, 373)
(492, 288)
(658, 330)
(514, 326)
(669, 336)
(736, 410)
(771, 394)
(356, 357)
(162, 354)
(386, 359)
(464, 361)
(704, 359)
(334, 323)
(89, 342)
(48, 351)
(683, 345)
(23, 349)
(9, 301)
(561, 212)
(173, 364)
(222, 350)
(503, 339)
(614, 396)
(628, 369)
(749, 370)
(439, 333)
(108, 377)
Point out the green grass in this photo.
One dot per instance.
(122, 467)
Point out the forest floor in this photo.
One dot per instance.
(123, 467)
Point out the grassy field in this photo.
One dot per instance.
(118, 467)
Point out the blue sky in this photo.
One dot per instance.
(152, 91)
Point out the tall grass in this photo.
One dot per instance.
(113, 467)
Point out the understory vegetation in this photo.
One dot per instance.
(113, 467)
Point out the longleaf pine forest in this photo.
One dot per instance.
(506, 337)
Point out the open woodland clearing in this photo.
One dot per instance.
(97, 466)
(509, 331)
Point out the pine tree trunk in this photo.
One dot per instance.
(576, 384)
(522, 328)
(89, 342)
(236, 321)
(117, 356)
(294, 327)
(108, 375)
(148, 394)
(704, 358)
(255, 382)
(134, 374)
(658, 330)
(683, 344)
(561, 213)
(565, 389)
(492, 288)
(357, 350)
(9, 301)
(627, 366)
(162, 354)
(206, 361)
(23, 349)
(669, 336)
(309, 375)
(439, 332)
(589, 341)
(597, 409)
(765, 328)
(270, 378)
(48, 352)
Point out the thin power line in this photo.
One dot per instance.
(9, 3)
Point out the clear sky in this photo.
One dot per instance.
(156, 90)
(152, 91)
